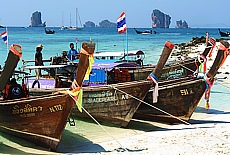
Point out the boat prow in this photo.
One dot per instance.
(224, 34)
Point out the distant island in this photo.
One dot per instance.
(35, 20)
(103, 24)
(180, 24)
(160, 19)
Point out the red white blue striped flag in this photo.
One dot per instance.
(121, 23)
(4, 37)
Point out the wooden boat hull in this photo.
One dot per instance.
(144, 32)
(112, 106)
(49, 31)
(170, 71)
(40, 120)
(224, 34)
(177, 97)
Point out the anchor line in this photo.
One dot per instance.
(186, 67)
(151, 105)
(100, 125)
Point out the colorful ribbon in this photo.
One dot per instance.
(155, 91)
(226, 52)
(91, 61)
(209, 84)
(213, 43)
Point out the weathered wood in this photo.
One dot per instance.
(13, 57)
(109, 105)
(84, 61)
(179, 100)
(179, 97)
(221, 55)
(163, 58)
(116, 103)
(210, 45)
(41, 119)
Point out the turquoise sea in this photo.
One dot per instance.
(107, 39)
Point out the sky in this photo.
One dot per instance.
(197, 13)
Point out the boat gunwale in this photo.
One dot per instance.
(32, 98)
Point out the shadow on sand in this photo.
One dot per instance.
(210, 111)
(73, 143)
(10, 147)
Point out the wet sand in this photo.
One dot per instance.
(207, 136)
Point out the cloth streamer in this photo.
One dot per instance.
(155, 90)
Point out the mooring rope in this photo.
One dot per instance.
(185, 67)
(151, 105)
(100, 125)
(220, 83)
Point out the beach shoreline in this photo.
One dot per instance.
(209, 135)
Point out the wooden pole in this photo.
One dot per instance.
(209, 46)
(163, 58)
(219, 60)
(14, 55)
(87, 49)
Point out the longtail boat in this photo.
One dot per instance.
(39, 119)
(178, 98)
(116, 103)
(177, 69)
(61, 73)
(223, 34)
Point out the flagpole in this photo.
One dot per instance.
(126, 38)
(122, 27)
(7, 42)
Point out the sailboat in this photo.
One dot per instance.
(77, 18)
(63, 27)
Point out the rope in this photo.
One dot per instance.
(222, 84)
(185, 67)
(151, 105)
(100, 125)
(115, 95)
(164, 112)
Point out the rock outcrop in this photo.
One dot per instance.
(160, 20)
(103, 24)
(180, 24)
(36, 21)
(107, 24)
(89, 24)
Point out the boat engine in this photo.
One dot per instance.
(13, 90)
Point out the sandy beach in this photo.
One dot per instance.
(207, 136)
(212, 136)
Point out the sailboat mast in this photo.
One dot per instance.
(76, 19)
(70, 24)
(62, 21)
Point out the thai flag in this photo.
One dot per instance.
(121, 23)
(4, 37)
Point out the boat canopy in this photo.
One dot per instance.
(115, 56)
